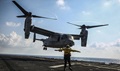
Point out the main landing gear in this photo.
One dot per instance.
(45, 48)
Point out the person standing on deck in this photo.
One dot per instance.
(67, 56)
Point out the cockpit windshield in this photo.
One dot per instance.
(64, 36)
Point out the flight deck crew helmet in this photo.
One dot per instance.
(67, 46)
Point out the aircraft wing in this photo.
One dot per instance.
(42, 31)
(49, 33)
(75, 36)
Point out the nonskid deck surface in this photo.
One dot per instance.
(30, 63)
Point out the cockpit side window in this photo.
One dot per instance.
(64, 37)
(55, 37)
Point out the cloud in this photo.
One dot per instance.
(12, 24)
(14, 40)
(107, 3)
(118, 1)
(110, 3)
(11, 40)
(86, 13)
(62, 5)
(104, 45)
(105, 50)
(16, 44)
(99, 31)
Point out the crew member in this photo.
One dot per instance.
(67, 54)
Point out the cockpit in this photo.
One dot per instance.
(58, 37)
(64, 36)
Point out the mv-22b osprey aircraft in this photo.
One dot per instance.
(54, 40)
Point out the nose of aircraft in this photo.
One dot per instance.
(71, 43)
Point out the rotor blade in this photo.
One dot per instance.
(43, 17)
(74, 24)
(21, 16)
(96, 26)
(23, 10)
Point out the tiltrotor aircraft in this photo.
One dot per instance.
(55, 39)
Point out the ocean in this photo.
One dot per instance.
(102, 60)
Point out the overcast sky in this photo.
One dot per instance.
(103, 42)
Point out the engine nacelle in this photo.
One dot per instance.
(84, 38)
(27, 27)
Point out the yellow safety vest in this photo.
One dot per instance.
(67, 51)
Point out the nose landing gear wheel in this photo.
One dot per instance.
(44, 48)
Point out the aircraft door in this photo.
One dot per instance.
(59, 38)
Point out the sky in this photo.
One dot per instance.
(103, 42)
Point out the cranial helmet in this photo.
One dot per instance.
(67, 46)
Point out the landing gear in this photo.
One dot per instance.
(45, 48)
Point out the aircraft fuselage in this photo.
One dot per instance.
(58, 41)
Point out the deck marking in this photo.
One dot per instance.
(62, 65)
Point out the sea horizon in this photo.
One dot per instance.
(89, 59)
